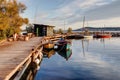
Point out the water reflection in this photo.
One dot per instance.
(48, 53)
(66, 54)
(89, 60)
(85, 45)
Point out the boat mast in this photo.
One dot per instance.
(83, 23)
(64, 25)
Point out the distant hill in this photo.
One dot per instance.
(99, 29)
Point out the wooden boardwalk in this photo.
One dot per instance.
(13, 54)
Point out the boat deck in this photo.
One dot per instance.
(12, 54)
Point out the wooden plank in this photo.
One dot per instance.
(14, 54)
(22, 71)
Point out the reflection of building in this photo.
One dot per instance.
(43, 30)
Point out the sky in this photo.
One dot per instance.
(69, 13)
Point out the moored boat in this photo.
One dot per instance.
(62, 45)
(103, 36)
(49, 45)
(88, 36)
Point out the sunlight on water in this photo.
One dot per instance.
(96, 59)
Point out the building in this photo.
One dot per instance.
(43, 30)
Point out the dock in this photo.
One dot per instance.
(17, 55)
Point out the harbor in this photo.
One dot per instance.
(59, 40)
(17, 57)
(90, 59)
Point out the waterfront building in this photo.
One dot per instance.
(43, 30)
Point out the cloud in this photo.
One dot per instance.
(72, 11)
(103, 12)
(78, 8)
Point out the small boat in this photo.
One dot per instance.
(103, 36)
(66, 54)
(79, 36)
(62, 45)
(88, 36)
(49, 45)
(86, 33)
(70, 37)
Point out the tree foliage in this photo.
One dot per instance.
(69, 30)
(60, 31)
(10, 19)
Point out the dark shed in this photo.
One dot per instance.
(43, 30)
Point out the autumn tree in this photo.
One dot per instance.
(69, 30)
(10, 19)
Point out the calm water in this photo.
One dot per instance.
(95, 59)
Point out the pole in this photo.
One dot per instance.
(64, 25)
(83, 23)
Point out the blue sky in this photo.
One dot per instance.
(54, 12)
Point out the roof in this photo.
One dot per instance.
(43, 25)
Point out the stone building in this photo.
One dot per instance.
(43, 30)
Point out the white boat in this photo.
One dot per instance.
(88, 36)
(86, 32)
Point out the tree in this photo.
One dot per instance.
(10, 19)
(69, 30)
(29, 28)
(60, 31)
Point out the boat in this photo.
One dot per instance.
(76, 36)
(79, 36)
(103, 36)
(70, 36)
(86, 32)
(66, 54)
(62, 45)
(49, 45)
(88, 36)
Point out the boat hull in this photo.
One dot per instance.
(48, 46)
(63, 46)
(88, 36)
(103, 36)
